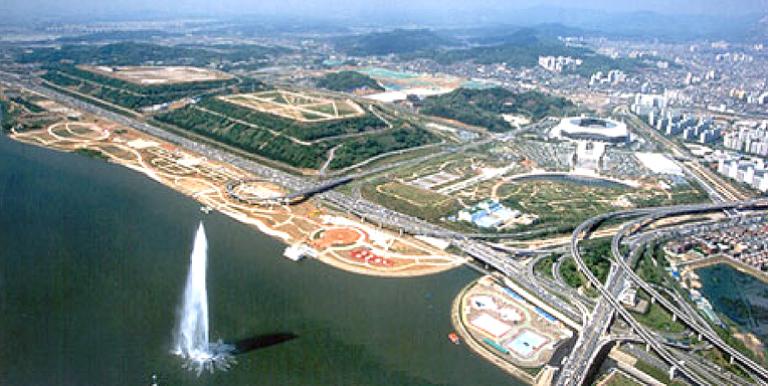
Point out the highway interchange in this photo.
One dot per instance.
(594, 334)
(589, 343)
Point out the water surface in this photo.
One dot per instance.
(737, 295)
(93, 259)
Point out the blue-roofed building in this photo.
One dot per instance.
(488, 214)
(487, 221)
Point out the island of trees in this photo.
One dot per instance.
(485, 108)
(348, 81)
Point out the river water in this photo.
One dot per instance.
(93, 258)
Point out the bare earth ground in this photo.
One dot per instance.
(152, 75)
(340, 241)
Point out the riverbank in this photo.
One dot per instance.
(373, 251)
(93, 263)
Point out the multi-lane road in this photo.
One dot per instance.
(593, 336)
(577, 368)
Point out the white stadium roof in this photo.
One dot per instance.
(596, 129)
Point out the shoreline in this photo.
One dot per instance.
(690, 272)
(530, 365)
(386, 254)
(739, 266)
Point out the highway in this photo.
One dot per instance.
(580, 361)
(682, 316)
(591, 339)
(576, 370)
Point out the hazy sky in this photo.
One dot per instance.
(16, 8)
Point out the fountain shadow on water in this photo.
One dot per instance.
(246, 345)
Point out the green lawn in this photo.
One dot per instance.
(418, 202)
(660, 319)
(544, 266)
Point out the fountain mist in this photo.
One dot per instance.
(191, 340)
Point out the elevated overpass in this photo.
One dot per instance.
(580, 362)
(681, 316)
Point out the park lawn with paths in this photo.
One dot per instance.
(559, 204)
(410, 200)
(257, 133)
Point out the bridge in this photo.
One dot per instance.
(289, 198)
(683, 317)
(372, 212)
(580, 362)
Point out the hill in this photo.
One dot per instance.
(399, 41)
(347, 81)
(523, 47)
(484, 108)
(130, 53)
(304, 145)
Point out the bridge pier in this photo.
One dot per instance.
(647, 347)
(699, 336)
(653, 300)
(674, 317)
(731, 360)
(672, 371)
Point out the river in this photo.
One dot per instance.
(93, 258)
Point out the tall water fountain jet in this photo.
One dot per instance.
(191, 341)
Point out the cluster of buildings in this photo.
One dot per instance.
(751, 97)
(673, 123)
(558, 63)
(645, 104)
(690, 128)
(749, 139)
(753, 171)
(611, 77)
(691, 79)
(493, 214)
(747, 244)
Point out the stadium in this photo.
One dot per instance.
(591, 129)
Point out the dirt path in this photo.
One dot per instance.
(331, 154)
